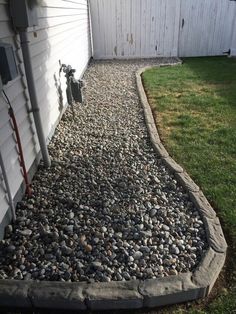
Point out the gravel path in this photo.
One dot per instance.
(107, 209)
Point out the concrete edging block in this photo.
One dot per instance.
(208, 271)
(60, 295)
(215, 234)
(172, 165)
(114, 295)
(15, 293)
(187, 182)
(169, 290)
(159, 149)
(200, 201)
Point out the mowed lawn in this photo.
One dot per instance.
(194, 105)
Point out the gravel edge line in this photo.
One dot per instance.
(132, 294)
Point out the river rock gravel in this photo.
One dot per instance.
(107, 209)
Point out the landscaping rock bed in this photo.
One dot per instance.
(108, 209)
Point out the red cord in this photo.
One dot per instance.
(22, 161)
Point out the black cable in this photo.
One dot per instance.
(7, 99)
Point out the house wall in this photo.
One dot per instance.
(164, 28)
(18, 96)
(62, 34)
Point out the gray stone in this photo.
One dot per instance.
(146, 234)
(137, 255)
(119, 277)
(173, 272)
(175, 250)
(11, 248)
(130, 259)
(145, 249)
(104, 229)
(9, 229)
(26, 232)
(66, 250)
(69, 228)
(165, 227)
(153, 212)
(97, 265)
(71, 215)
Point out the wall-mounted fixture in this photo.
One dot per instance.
(8, 67)
(24, 13)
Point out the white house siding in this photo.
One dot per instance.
(17, 94)
(152, 28)
(62, 34)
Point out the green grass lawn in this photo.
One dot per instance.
(194, 105)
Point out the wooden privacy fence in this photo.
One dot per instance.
(152, 28)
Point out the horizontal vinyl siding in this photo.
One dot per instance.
(17, 94)
(62, 34)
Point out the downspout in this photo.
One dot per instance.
(33, 96)
(5, 178)
(90, 28)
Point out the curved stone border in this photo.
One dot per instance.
(207, 272)
(132, 294)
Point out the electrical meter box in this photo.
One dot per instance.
(8, 67)
(24, 13)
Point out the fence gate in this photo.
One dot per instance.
(152, 28)
(206, 27)
(135, 28)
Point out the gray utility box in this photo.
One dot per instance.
(8, 67)
(24, 13)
